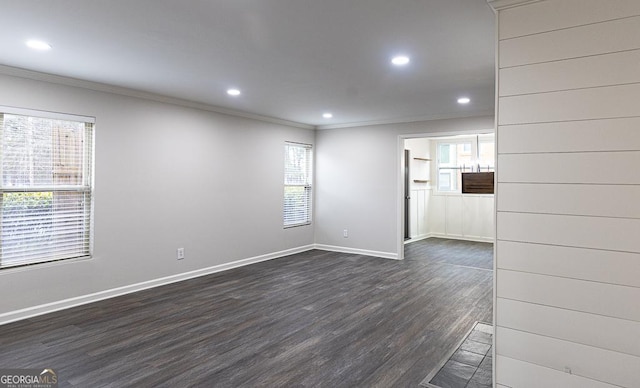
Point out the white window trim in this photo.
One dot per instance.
(86, 188)
(475, 141)
(307, 186)
(46, 114)
(450, 141)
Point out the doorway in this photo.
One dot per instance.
(431, 202)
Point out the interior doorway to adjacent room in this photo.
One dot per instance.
(434, 202)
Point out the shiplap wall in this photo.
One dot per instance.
(568, 196)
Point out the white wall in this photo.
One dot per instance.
(167, 176)
(358, 181)
(568, 215)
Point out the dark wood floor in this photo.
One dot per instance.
(316, 319)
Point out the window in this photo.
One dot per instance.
(464, 154)
(452, 157)
(45, 187)
(486, 154)
(297, 184)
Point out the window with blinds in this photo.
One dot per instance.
(297, 184)
(46, 167)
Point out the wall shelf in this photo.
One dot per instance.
(421, 180)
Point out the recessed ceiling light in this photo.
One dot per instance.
(464, 100)
(400, 60)
(327, 115)
(38, 45)
(233, 92)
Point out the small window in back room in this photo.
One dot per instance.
(470, 154)
(297, 184)
(452, 157)
(46, 187)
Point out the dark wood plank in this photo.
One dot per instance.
(313, 319)
(477, 182)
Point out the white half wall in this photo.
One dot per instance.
(167, 176)
(461, 216)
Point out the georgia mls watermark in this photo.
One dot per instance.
(28, 378)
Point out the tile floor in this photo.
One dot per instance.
(470, 366)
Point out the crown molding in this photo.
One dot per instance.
(100, 87)
(119, 90)
(498, 5)
(445, 116)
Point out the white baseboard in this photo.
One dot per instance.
(30, 312)
(418, 238)
(333, 248)
(460, 237)
(46, 308)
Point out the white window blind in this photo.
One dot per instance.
(297, 184)
(46, 166)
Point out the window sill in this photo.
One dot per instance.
(44, 264)
(296, 225)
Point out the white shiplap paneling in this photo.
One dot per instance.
(554, 15)
(568, 218)
(437, 214)
(616, 234)
(413, 213)
(583, 360)
(578, 263)
(454, 215)
(592, 168)
(571, 199)
(518, 374)
(592, 39)
(477, 220)
(603, 70)
(581, 104)
(579, 295)
(618, 134)
(621, 335)
(422, 216)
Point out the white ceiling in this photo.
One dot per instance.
(292, 59)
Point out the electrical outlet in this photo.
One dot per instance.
(180, 253)
(345, 233)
